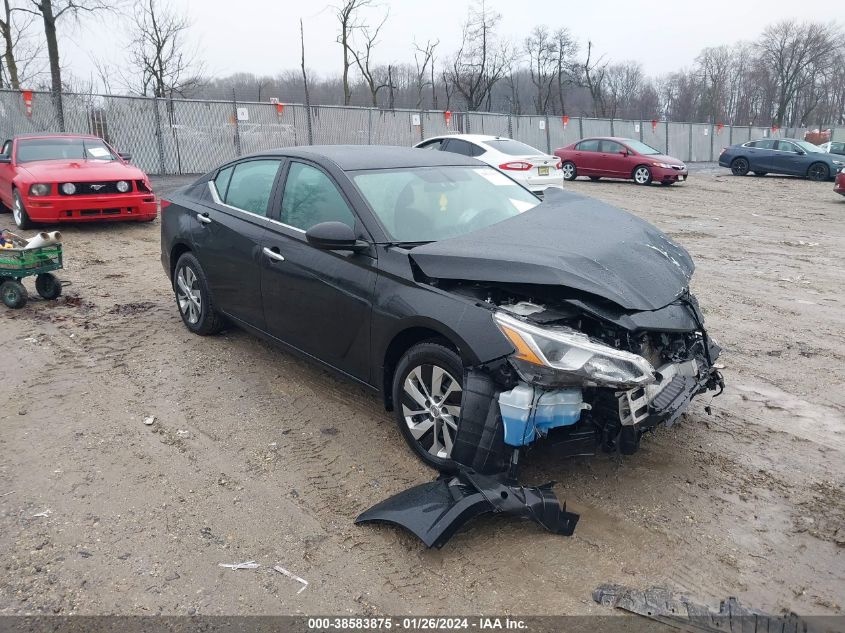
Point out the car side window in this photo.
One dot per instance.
(310, 197)
(786, 146)
(837, 148)
(251, 184)
(611, 147)
(476, 150)
(221, 182)
(458, 146)
(588, 146)
(435, 145)
(7, 148)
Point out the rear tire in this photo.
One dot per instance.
(427, 394)
(48, 286)
(818, 172)
(14, 294)
(193, 298)
(570, 172)
(642, 175)
(740, 166)
(19, 213)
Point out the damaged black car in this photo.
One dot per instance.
(486, 318)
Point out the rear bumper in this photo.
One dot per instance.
(839, 185)
(126, 207)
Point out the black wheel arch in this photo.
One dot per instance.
(176, 251)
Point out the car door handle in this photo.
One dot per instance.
(274, 255)
(203, 218)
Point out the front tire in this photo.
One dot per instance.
(570, 171)
(19, 213)
(14, 294)
(740, 166)
(818, 172)
(642, 175)
(193, 298)
(427, 393)
(48, 286)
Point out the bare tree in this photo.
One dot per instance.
(795, 52)
(423, 57)
(624, 83)
(541, 49)
(480, 61)
(20, 55)
(566, 66)
(364, 58)
(593, 80)
(160, 52)
(347, 16)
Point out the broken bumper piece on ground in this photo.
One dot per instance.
(435, 511)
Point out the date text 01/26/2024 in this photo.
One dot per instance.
(415, 624)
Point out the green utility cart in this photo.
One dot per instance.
(17, 263)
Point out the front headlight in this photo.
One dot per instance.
(122, 186)
(39, 189)
(838, 163)
(573, 357)
(68, 188)
(663, 165)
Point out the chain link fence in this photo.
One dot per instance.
(178, 136)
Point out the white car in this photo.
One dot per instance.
(533, 169)
(833, 147)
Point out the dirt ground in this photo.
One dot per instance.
(257, 455)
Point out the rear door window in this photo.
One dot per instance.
(591, 145)
(611, 147)
(459, 146)
(435, 145)
(251, 184)
(311, 197)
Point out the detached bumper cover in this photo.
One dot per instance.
(435, 511)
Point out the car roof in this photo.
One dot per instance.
(54, 135)
(618, 139)
(767, 138)
(355, 157)
(471, 137)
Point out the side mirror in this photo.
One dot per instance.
(334, 236)
(624, 152)
(5, 159)
(125, 156)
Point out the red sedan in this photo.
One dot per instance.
(610, 157)
(839, 186)
(71, 178)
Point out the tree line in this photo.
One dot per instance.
(793, 73)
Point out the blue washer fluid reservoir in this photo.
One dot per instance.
(528, 411)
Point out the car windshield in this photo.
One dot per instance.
(641, 148)
(512, 148)
(30, 149)
(427, 204)
(808, 147)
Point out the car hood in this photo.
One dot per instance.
(663, 158)
(81, 170)
(572, 241)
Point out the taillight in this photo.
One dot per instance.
(516, 166)
(559, 163)
(165, 203)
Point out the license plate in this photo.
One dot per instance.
(543, 171)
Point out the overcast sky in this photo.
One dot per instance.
(262, 36)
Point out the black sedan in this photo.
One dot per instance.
(781, 156)
(485, 318)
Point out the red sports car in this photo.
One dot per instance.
(52, 178)
(611, 157)
(839, 187)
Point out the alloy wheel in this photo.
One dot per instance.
(641, 175)
(431, 406)
(569, 171)
(188, 294)
(17, 211)
(817, 172)
(739, 167)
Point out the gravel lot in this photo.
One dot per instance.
(257, 455)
